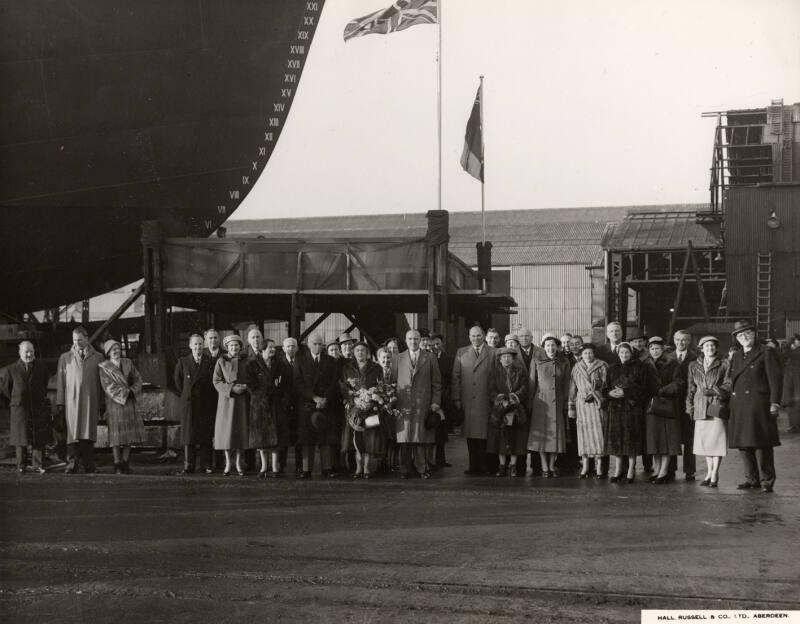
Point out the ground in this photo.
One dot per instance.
(153, 547)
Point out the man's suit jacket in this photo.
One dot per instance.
(418, 388)
(470, 385)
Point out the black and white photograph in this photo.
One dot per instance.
(399, 311)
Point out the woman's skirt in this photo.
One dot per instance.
(710, 437)
(623, 431)
(125, 427)
(663, 435)
(231, 426)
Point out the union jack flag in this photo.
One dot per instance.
(401, 15)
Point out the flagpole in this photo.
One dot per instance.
(483, 168)
(439, 101)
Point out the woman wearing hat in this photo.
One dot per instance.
(629, 385)
(586, 408)
(268, 381)
(230, 427)
(704, 401)
(122, 384)
(662, 420)
(507, 434)
(359, 374)
(549, 398)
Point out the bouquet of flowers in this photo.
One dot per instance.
(366, 406)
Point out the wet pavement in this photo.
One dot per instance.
(153, 547)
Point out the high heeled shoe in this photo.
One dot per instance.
(613, 479)
(705, 482)
(631, 480)
(661, 480)
(583, 475)
(713, 484)
(547, 474)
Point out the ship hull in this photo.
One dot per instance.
(118, 111)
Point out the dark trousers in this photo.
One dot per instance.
(687, 435)
(81, 452)
(759, 460)
(476, 449)
(441, 441)
(190, 456)
(413, 457)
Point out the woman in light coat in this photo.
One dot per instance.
(231, 432)
(586, 407)
(549, 398)
(122, 384)
(704, 400)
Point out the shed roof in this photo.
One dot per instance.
(519, 237)
(659, 230)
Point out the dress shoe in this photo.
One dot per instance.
(547, 474)
(184, 472)
(275, 475)
(599, 476)
(631, 479)
(357, 475)
(502, 471)
(331, 474)
(20, 469)
(705, 482)
(305, 474)
(118, 468)
(613, 479)
(425, 475)
(367, 476)
(661, 480)
(209, 471)
(713, 484)
(747, 485)
(583, 475)
(40, 470)
(689, 478)
(262, 474)
(226, 472)
(767, 489)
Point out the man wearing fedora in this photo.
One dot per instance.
(754, 384)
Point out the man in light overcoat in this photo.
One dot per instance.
(78, 398)
(419, 392)
(472, 367)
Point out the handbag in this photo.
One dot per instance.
(663, 407)
(718, 410)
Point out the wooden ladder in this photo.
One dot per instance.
(764, 295)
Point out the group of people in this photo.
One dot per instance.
(393, 409)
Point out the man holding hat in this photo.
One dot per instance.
(78, 398)
(754, 383)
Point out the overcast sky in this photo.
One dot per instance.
(586, 104)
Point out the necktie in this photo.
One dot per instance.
(680, 356)
(83, 354)
(477, 352)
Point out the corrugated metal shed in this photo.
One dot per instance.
(659, 230)
(554, 299)
(519, 237)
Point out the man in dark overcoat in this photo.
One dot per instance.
(685, 355)
(754, 383)
(197, 405)
(24, 385)
(444, 427)
(316, 391)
